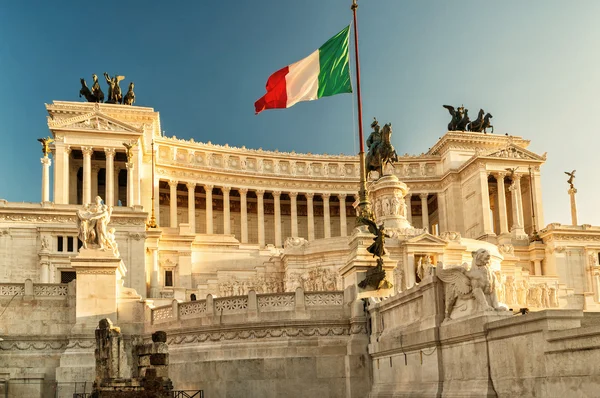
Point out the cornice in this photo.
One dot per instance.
(471, 140)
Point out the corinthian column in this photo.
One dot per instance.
(95, 170)
(130, 199)
(311, 215)
(209, 209)
(46, 178)
(260, 196)
(343, 223)
(515, 188)
(277, 204)
(326, 217)
(192, 206)
(502, 215)
(87, 174)
(226, 209)
(425, 210)
(294, 208)
(407, 199)
(485, 202)
(441, 197)
(109, 196)
(244, 213)
(172, 202)
(66, 174)
(572, 192)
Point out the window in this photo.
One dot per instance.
(169, 278)
(67, 276)
(59, 243)
(70, 244)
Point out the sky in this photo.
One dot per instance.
(534, 65)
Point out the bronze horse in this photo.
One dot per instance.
(481, 123)
(85, 91)
(382, 153)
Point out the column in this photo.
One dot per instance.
(424, 210)
(537, 198)
(58, 154)
(502, 216)
(192, 206)
(485, 202)
(156, 187)
(46, 178)
(130, 168)
(226, 211)
(343, 222)
(66, 171)
(407, 199)
(87, 174)
(519, 200)
(410, 276)
(277, 203)
(441, 198)
(172, 202)
(136, 175)
(260, 194)
(572, 192)
(73, 169)
(116, 185)
(109, 197)
(311, 215)
(294, 207)
(94, 188)
(244, 213)
(326, 217)
(154, 277)
(209, 208)
(517, 226)
(537, 266)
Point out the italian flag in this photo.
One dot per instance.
(323, 73)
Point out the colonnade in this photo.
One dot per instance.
(499, 209)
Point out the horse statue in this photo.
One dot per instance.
(481, 123)
(381, 150)
(129, 98)
(460, 118)
(85, 91)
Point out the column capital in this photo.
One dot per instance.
(226, 189)
(208, 187)
(129, 166)
(87, 150)
(310, 195)
(423, 195)
(499, 174)
(243, 191)
(342, 196)
(46, 161)
(68, 150)
(517, 176)
(325, 196)
(172, 183)
(110, 152)
(260, 192)
(190, 185)
(293, 194)
(276, 194)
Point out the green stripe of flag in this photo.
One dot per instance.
(334, 68)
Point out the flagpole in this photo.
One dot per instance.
(364, 206)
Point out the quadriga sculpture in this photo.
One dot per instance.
(475, 283)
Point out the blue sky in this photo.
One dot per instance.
(533, 65)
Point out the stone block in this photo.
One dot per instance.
(159, 337)
(159, 359)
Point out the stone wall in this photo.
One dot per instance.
(268, 345)
(415, 353)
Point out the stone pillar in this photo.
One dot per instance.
(226, 211)
(73, 170)
(87, 174)
(424, 210)
(537, 198)
(156, 187)
(172, 202)
(520, 200)
(572, 193)
(155, 276)
(442, 211)
(244, 213)
(485, 202)
(209, 208)
(311, 215)
(136, 175)
(192, 206)
(411, 279)
(326, 216)
(260, 195)
(407, 199)
(537, 266)
(116, 185)
(343, 223)
(502, 214)
(277, 204)
(109, 195)
(130, 195)
(66, 172)
(517, 226)
(46, 162)
(294, 210)
(95, 170)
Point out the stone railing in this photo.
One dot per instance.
(252, 304)
(34, 289)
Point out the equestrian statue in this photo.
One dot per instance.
(482, 123)
(381, 151)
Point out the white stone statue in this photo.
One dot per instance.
(92, 222)
(475, 283)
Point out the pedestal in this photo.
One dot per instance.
(387, 198)
(98, 280)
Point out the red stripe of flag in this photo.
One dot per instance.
(276, 96)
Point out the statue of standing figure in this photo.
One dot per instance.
(115, 95)
(92, 223)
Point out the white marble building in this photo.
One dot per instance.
(241, 222)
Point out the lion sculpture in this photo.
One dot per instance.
(475, 283)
